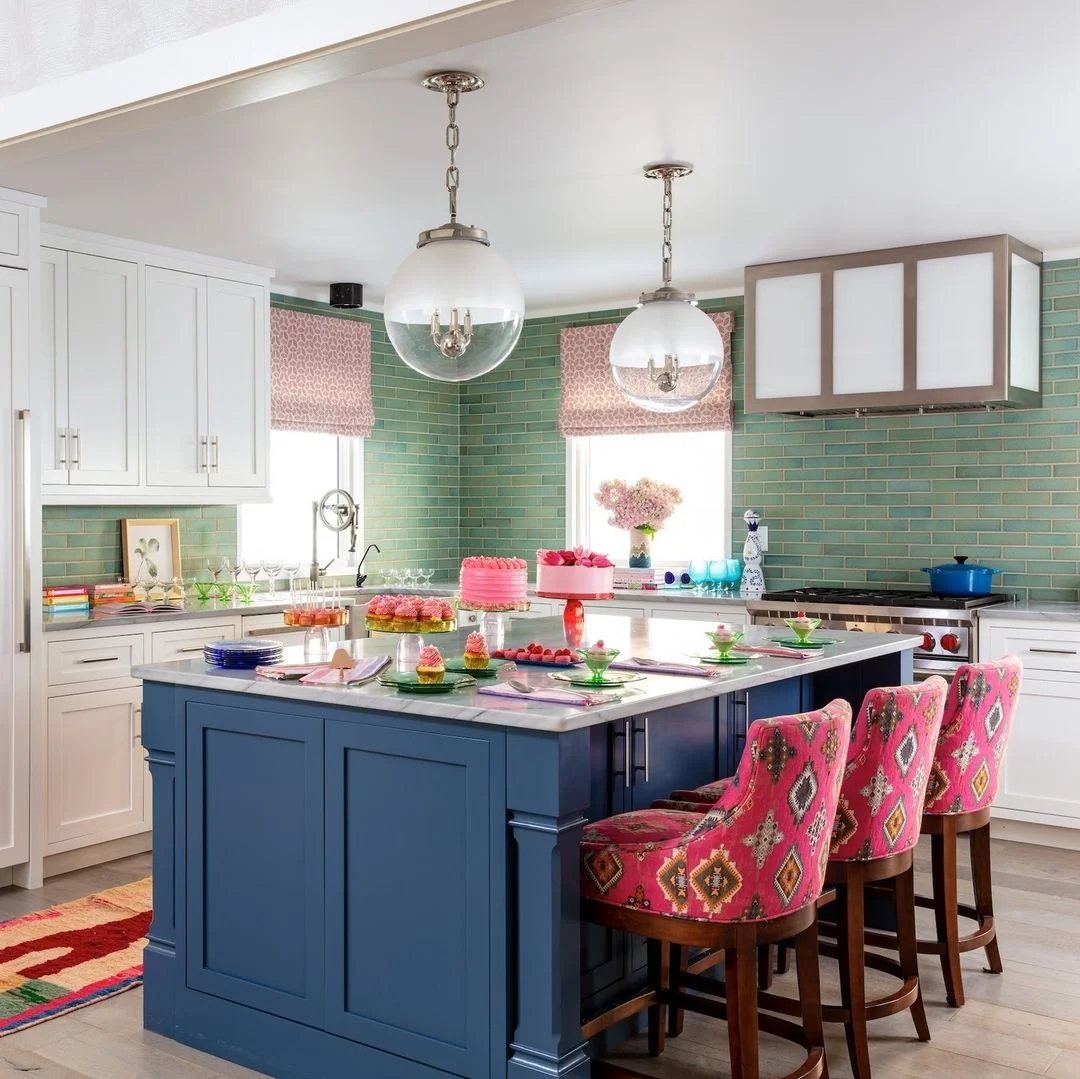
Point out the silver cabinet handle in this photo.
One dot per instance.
(1055, 651)
(22, 501)
(137, 737)
(102, 659)
(196, 648)
(644, 766)
(61, 445)
(204, 465)
(215, 465)
(628, 770)
(646, 749)
(75, 453)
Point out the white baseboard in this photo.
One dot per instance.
(1042, 835)
(70, 860)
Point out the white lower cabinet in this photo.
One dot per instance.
(701, 612)
(1039, 772)
(97, 778)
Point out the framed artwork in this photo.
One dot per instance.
(151, 547)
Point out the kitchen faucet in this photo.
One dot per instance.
(360, 576)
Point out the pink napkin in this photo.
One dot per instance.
(362, 671)
(552, 696)
(668, 668)
(783, 653)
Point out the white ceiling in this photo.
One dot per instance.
(814, 128)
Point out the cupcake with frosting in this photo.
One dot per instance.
(430, 668)
(379, 615)
(407, 615)
(431, 618)
(477, 656)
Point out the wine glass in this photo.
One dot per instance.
(272, 567)
(214, 569)
(292, 569)
(393, 577)
(699, 574)
(716, 574)
(251, 568)
(425, 576)
(232, 567)
(408, 578)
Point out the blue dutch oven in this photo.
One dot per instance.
(959, 579)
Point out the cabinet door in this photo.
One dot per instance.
(95, 768)
(868, 329)
(676, 748)
(177, 454)
(1039, 772)
(52, 368)
(787, 336)
(103, 371)
(238, 365)
(14, 235)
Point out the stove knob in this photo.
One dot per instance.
(928, 642)
(950, 642)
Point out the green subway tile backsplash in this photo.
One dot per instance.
(82, 543)
(479, 468)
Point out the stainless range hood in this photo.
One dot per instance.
(935, 327)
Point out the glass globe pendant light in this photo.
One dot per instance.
(667, 355)
(453, 309)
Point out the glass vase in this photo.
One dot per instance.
(640, 548)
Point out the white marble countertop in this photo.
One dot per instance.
(652, 638)
(1038, 610)
(265, 603)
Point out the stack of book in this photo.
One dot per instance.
(625, 577)
(102, 594)
(66, 599)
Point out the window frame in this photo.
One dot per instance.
(350, 469)
(580, 487)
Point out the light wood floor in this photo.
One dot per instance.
(1024, 1022)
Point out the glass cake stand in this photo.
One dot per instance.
(409, 645)
(573, 619)
(493, 623)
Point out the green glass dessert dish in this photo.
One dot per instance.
(598, 658)
(802, 626)
(724, 639)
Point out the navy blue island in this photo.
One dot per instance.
(351, 882)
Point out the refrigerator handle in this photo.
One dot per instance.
(22, 501)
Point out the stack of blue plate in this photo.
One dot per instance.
(243, 655)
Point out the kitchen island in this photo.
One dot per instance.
(353, 882)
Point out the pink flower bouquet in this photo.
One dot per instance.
(579, 556)
(645, 505)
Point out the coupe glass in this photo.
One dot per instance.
(291, 569)
(598, 661)
(408, 578)
(425, 576)
(204, 588)
(393, 577)
(251, 569)
(232, 567)
(245, 590)
(272, 568)
(699, 574)
(724, 641)
(215, 569)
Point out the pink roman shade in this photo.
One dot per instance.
(320, 374)
(593, 405)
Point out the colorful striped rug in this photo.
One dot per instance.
(66, 957)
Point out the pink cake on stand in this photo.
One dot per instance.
(494, 584)
(574, 575)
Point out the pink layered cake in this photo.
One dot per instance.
(576, 574)
(494, 584)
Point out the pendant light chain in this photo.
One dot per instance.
(453, 140)
(666, 248)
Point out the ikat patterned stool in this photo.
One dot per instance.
(746, 873)
(876, 829)
(963, 784)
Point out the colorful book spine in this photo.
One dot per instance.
(65, 590)
(65, 601)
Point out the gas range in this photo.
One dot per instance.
(946, 623)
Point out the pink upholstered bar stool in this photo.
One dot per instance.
(963, 784)
(747, 872)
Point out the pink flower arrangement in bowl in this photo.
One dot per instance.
(579, 556)
(645, 505)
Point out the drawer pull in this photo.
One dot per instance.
(196, 648)
(102, 659)
(1055, 651)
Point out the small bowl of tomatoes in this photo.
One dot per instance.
(535, 652)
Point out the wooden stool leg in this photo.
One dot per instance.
(851, 948)
(809, 974)
(740, 976)
(943, 864)
(984, 894)
(677, 965)
(659, 958)
(907, 944)
(764, 965)
(782, 956)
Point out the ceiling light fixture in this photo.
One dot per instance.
(666, 355)
(454, 308)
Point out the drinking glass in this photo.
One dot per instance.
(245, 590)
(292, 569)
(232, 567)
(699, 575)
(732, 574)
(203, 588)
(408, 578)
(716, 574)
(393, 577)
(425, 576)
(214, 569)
(251, 569)
(272, 567)
(316, 644)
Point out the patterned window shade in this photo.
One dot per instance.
(593, 405)
(320, 374)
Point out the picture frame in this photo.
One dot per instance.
(151, 548)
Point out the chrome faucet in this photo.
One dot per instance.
(360, 576)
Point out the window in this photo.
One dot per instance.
(303, 467)
(697, 463)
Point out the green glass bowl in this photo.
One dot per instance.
(205, 590)
(802, 632)
(246, 591)
(224, 590)
(598, 662)
(727, 643)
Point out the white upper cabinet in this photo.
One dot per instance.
(155, 375)
(238, 383)
(103, 371)
(14, 234)
(945, 325)
(176, 442)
